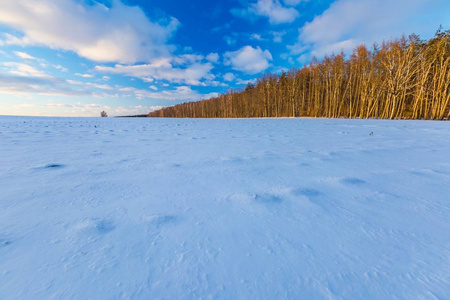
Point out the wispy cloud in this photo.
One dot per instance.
(61, 68)
(21, 69)
(278, 36)
(23, 79)
(272, 9)
(24, 55)
(294, 2)
(184, 93)
(84, 75)
(27, 85)
(193, 73)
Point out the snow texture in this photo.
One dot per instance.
(144, 208)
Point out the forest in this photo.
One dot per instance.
(405, 78)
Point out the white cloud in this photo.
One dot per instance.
(163, 69)
(24, 55)
(213, 83)
(229, 40)
(181, 93)
(84, 75)
(347, 23)
(278, 36)
(213, 57)
(271, 9)
(28, 85)
(256, 36)
(186, 59)
(119, 33)
(90, 84)
(248, 59)
(24, 70)
(24, 80)
(229, 77)
(293, 2)
(61, 68)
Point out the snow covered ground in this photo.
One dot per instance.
(177, 208)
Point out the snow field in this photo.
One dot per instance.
(145, 208)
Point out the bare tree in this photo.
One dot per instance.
(402, 79)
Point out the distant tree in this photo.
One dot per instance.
(103, 114)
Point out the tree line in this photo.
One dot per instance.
(404, 78)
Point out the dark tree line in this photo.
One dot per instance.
(400, 79)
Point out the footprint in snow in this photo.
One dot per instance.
(155, 223)
(4, 242)
(53, 166)
(233, 159)
(265, 198)
(313, 196)
(104, 226)
(160, 220)
(352, 181)
(94, 226)
(49, 166)
(310, 193)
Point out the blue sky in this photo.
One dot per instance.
(79, 57)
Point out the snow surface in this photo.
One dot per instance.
(258, 208)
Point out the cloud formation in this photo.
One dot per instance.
(184, 93)
(24, 55)
(29, 85)
(293, 2)
(249, 60)
(347, 23)
(22, 69)
(272, 9)
(170, 69)
(229, 77)
(22, 79)
(119, 33)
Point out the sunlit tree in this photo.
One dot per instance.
(404, 78)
